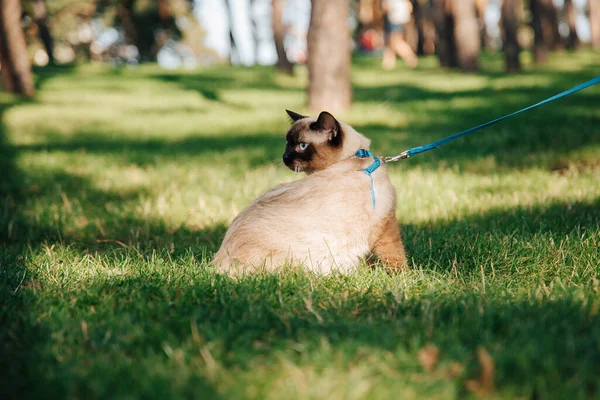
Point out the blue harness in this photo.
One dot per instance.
(363, 153)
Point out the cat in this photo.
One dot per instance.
(331, 219)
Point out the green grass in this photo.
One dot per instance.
(116, 186)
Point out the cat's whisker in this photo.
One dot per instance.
(276, 162)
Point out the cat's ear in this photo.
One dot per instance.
(328, 124)
(294, 116)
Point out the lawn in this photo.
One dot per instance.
(117, 185)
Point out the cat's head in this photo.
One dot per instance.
(316, 143)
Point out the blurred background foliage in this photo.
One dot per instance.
(186, 33)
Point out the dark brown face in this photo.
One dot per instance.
(312, 145)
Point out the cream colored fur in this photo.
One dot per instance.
(322, 222)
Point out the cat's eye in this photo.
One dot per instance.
(302, 146)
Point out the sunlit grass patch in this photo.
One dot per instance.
(118, 185)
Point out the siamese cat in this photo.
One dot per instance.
(342, 211)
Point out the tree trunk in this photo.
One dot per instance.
(445, 46)
(283, 64)
(540, 47)
(466, 34)
(480, 7)
(255, 33)
(594, 8)
(16, 69)
(40, 16)
(125, 12)
(511, 12)
(418, 18)
(550, 24)
(8, 82)
(545, 28)
(429, 30)
(165, 14)
(573, 40)
(329, 56)
(232, 44)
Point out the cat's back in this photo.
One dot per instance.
(326, 216)
(329, 193)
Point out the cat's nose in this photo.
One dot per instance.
(286, 158)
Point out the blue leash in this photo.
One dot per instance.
(362, 153)
(421, 149)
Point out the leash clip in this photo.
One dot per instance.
(401, 156)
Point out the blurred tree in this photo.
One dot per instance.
(165, 14)
(255, 29)
(480, 7)
(458, 43)
(573, 39)
(511, 17)
(231, 36)
(283, 64)
(147, 24)
(550, 24)
(418, 20)
(594, 10)
(16, 69)
(329, 56)
(540, 47)
(40, 17)
(444, 25)
(466, 34)
(126, 15)
(429, 30)
(545, 28)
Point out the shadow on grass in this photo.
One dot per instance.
(31, 367)
(210, 84)
(545, 345)
(256, 318)
(13, 309)
(503, 238)
(544, 138)
(23, 352)
(258, 149)
(491, 151)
